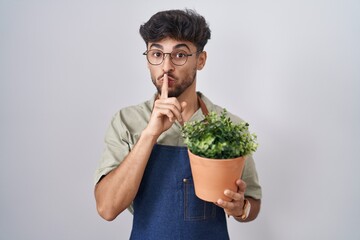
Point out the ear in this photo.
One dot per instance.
(201, 60)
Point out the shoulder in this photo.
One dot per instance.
(131, 120)
(212, 107)
(143, 108)
(133, 112)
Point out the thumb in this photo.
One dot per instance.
(183, 105)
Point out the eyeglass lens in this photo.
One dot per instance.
(156, 57)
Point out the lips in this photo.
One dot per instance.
(171, 80)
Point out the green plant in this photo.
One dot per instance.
(217, 137)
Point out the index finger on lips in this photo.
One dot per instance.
(164, 87)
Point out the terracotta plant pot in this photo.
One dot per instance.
(213, 176)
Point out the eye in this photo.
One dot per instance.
(156, 53)
(179, 55)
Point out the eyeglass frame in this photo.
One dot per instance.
(164, 55)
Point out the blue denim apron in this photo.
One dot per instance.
(166, 207)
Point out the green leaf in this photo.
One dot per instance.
(218, 137)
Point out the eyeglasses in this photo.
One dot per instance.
(177, 57)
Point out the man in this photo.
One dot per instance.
(145, 166)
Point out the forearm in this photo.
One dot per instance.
(115, 192)
(254, 211)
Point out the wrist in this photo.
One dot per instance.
(245, 211)
(149, 136)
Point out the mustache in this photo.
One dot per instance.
(169, 76)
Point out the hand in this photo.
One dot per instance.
(235, 206)
(165, 112)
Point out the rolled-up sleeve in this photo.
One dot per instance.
(250, 177)
(117, 146)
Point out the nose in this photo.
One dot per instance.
(167, 65)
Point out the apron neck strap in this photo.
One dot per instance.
(203, 106)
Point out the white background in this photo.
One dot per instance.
(289, 68)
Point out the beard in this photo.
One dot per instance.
(179, 85)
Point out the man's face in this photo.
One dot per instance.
(180, 78)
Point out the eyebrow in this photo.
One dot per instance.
(180, 45)
(156, 45)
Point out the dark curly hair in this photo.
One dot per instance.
(183, 25)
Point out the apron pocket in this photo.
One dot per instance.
(196, 209)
